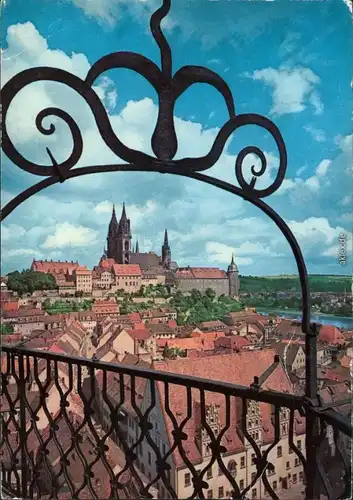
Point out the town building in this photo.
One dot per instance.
(83, 279)
(239, 458)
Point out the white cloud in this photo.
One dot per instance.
(292, 88)
(315, 234)
(108, 12)
(23, 252)
(347, 200)
(11, 232)
(104, 207)
(222, 254)
(67, 234)
(256, 248)
(322, 168)
(301, 170)
(317, 134)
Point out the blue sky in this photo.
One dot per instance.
(289, 61)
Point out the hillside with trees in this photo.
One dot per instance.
(287, 283)
(197, 307)
(29, 281)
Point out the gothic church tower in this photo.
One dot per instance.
(119, 238)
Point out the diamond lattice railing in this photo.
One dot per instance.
(75, 428)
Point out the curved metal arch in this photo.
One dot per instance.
(225, 186)
(169, 88)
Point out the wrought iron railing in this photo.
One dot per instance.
(47, 453)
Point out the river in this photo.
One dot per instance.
(325, 319)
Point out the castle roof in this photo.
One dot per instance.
(200, 273)
(127, 270)
(56, 267)
(145, 260)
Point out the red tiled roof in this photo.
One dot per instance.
(139, 333)
(56, 348)
(213, 325)
(127, 270)
(232, 342)
(234, 368)
(200, 273)
(198, 343)
(135, 317)
(83, 270)
(208, 335)
(23, 313)
(10, 306)
(56, 267)
(106, 263)
(331, 334)
(11, 338)
(105, 306)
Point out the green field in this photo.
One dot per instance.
(291, 283)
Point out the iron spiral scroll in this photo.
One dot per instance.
(169, 87)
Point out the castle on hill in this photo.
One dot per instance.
(122, 267)
(119, 249)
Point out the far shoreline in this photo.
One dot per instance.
(294, 311)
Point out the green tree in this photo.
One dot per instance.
(29, 281)
(6, 329)
(211, 294)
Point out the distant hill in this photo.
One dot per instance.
(291, 283)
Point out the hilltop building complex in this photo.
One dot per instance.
(124, 267)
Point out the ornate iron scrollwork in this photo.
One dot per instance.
(169, 88)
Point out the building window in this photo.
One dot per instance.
(149, 458)
(142, 468)
(242, 462)
(232, 467)
(253, 475)
(279, 452)
(209, 493)
(209, 473)
(241, 485)
(294, 478)
(287, 465)
(297, 462)
(274, 485)
(253, 493)
(219, 471)
(299, 444)
(271, 469)
(290, 450)
(221, 492)
(253, 459)
(187, 479)
(301, 476)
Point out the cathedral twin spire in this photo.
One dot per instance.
(119, 240)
